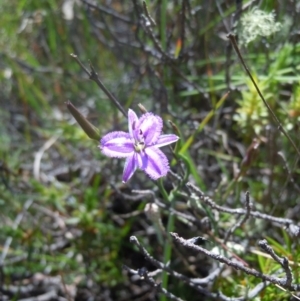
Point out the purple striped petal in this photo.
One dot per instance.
(166, 139)
(151, 126)
(157, 163)
(129, 168)
(142, 160)
(132, 122)
(117, 145)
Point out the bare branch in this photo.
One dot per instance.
(94, 77)
(194, 283)
(143, 273)
(282, 261)
(242, 220)
(108, 11)
(237, 265)
(209, 202)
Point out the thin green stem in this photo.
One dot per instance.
(168, 244)
(162, 190)
(280, 127)
(168, 250)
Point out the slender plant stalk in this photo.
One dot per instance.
(280, 127)
(167, 247)
(94, 77)
(168, 244)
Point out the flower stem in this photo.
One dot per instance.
(170, 228)
(167, 251)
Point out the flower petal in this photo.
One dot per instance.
(157, 163)
(166, 139)
(141, 159)
(132, 121)
(129, 168)
(117, 144)
(151, 126)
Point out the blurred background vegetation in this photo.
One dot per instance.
(65, 215)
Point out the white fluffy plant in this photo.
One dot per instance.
(256, 23)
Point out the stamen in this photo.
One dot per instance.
(139, 146)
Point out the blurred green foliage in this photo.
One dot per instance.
(78, 221)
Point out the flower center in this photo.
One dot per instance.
(139, 146)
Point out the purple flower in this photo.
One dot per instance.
(140, 146)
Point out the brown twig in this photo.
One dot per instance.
(169, 59)
(240, 211)
(94, 77)
(108, 11)
(284, 282)
(151, 20)
(195, 283)
(282, 261)
(144, 275)
(167, 269)
(242, 220)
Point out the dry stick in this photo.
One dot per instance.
(94, 77)
(167, 57)
(280, 127)
(151, 20)
(240, 211)
(290, 175)
(21, 290)
(294, 229)
(167, 269)
(250, 295)
(158, 221)
(108, 11)
(39, 155)
(242, 220)
(284, 282)
(143, 273)
(144, 21)
(188, 218)
(235, 17)
(195, 283)
(283, 261)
